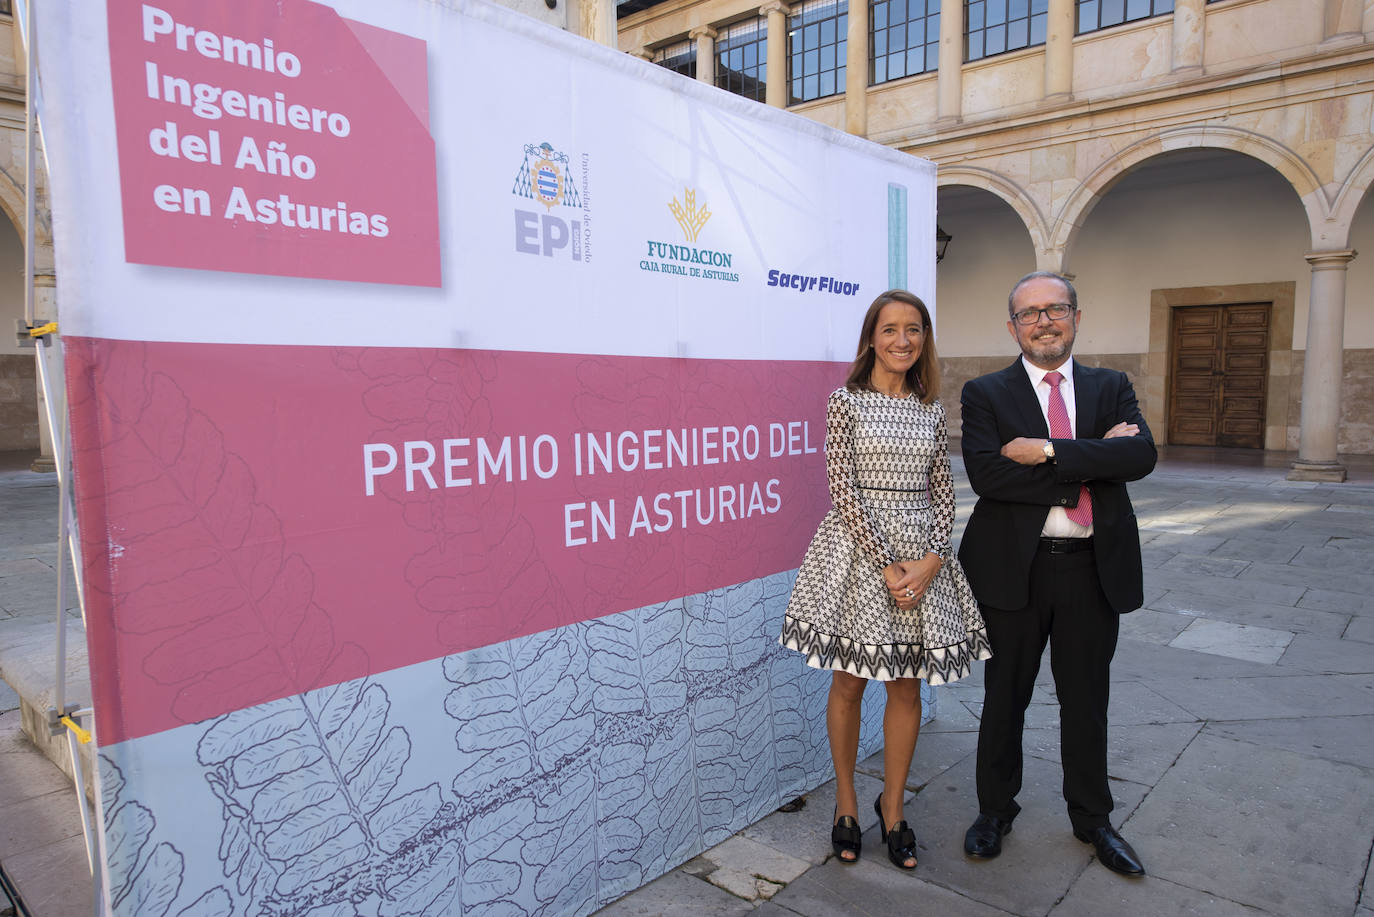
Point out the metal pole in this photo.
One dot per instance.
(30, 204)
(60, 689)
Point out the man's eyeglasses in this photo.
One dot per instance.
(1056, 312)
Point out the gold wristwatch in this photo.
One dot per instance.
(1048, 449)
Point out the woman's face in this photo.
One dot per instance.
(898, 337)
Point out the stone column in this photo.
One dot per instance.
(856, 70)
(596, 20)
(1189, 16)
(1321, 370)
(775, 92)
(1059, 50)
(1343, 20)
(949, 79)
(704, 38)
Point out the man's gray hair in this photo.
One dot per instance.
(1036, 275)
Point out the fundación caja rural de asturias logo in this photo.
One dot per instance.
(689, 260)
(546, 178)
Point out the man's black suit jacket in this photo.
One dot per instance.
(1003, 533)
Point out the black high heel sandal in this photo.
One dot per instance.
(846, 837)
(901, 840)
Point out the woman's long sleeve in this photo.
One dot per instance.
(941, 490)
(841, 472)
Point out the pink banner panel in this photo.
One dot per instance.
(261, 520)
(273, 138)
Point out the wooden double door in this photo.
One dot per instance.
(1220, 371)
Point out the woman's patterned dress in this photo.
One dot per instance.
(887, 460)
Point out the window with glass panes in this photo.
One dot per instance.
(905, 38)
(742, 58)
(816, 49)
(6, 8)
(997, 26)
(679, 58)
(1103, 14)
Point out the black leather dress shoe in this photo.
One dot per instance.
(983, 839)
(1112, 850)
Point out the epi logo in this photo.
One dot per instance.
(545, 177)
(689, 260)
(689, 217)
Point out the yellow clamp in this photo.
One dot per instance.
(40, 331)
(81, 734)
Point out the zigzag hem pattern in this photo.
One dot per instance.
(938, 665)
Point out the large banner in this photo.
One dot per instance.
(447, 398)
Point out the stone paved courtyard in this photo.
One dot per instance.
(1242, 744)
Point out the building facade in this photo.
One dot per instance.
(1200, 168)
(19, 404)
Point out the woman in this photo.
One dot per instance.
(879, 593)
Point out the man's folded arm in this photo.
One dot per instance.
(995, 476)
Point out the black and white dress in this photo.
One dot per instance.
(887, 461)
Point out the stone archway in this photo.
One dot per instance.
(1012, 194)
(1292, 167)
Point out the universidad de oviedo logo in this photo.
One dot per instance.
(547, 177)
(689, 260)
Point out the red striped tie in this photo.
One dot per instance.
(1060, 429)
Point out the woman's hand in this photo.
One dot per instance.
(907, 581)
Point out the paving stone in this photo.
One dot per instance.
(1338, 601)
(1153, 626)
(1246, 585)
(1040, 858)
(1361, 629)
(54, 880)
(1246, 611)
(1099, 892)
(1279, 551)
(34, 594)
(1133, 703)
(1367, 890)
(872, 886)
(1276, 697)
(1140, 753)
(1169, 540)
(1153, 664)
(1236, 641)
(1348, 739)
(1309, 577)
(24, 772)
(1328, 524)
(750, 869)
(1339, 559)
(45, 552)
(38, 821)
(1328, 655)
(1291, 837)
(1204, 565)
(954, 716)
(937, 753)
(677, 894)
(16, 570)
(1152, 557)
(1352, 542)
(806, 832)
(8, 699)
(1151, 593)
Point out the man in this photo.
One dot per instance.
(1052, 553)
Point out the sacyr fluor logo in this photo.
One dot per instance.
(689, 260)
(546, 177)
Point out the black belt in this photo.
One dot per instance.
(1065, 545)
